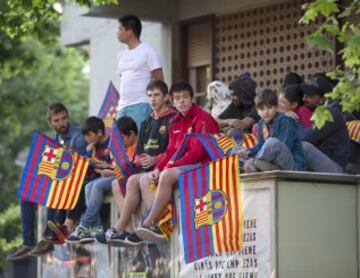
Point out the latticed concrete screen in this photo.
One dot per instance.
(267, 42)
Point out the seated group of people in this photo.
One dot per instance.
(286, 140)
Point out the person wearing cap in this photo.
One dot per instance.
(241, 114)
(326, 149)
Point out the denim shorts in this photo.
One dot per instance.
(138, 112)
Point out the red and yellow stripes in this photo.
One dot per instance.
(225, 176)
(354, 130)
(65, 193)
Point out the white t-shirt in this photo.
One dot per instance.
(134, 67)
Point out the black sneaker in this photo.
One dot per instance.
(150, 233)
(118, 239)
(80, 235)
(21, 252)
(101, 238)
(43, 247)
(134, 240)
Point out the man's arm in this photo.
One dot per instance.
(223, 122)
(157, 74)
(244, 123)
(315, 135)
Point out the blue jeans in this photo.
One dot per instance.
(94, 196)
(317, 161)
(138, 112)
(276, 152)
(28, 221)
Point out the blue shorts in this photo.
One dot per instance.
(138, 112)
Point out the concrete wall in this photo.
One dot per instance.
(190, 9)
(163, 10)
(100, 35)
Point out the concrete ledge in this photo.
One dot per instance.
(303, 176)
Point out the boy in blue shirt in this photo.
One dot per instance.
(90, 224)
(278, 146)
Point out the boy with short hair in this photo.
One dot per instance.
(278, 146)
(137, 66)
(94, 131)
(190, 119)
(152, 143)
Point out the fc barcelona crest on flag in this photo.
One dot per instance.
(53, 176)
(56, 163)
(210, 208)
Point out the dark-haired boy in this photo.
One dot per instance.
(137, 66)
(94, 131)
(190, 119)
(152, 143)
(278, 146)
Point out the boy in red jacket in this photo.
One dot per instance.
(190, 119)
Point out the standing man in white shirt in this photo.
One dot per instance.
(137, 66)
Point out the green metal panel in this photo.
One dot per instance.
(317, 230)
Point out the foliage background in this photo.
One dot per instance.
(35, 71)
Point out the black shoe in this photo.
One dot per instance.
(150, 233)
(134, 240)
(101, 238)
(21, 252)
(43, 247)
(118, 239)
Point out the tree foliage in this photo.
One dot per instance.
(337, 25)
(9, 232)
(34, 72)
(20, 17)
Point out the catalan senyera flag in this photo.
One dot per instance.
(123, 167)
(249, 140)
(167, 219)
(53, 175)
(354, 130)
(226, 143)
(211, 209)
(108, 108)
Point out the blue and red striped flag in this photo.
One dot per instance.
(208, 141)
(211, 209)
(53, 175)
(123, 167)
(108, 108)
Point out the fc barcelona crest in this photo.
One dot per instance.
(56, 163)
(210, 208)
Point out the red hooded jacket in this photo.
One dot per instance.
(195, 121)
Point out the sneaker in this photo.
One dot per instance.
(20, 253)
(105, 236)
(81, 234)
(60, 231)
(43, 247)
(118, 239)
(96, 231)
(150, 233)
(134, 240)
(101, 238)
(263, 165)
